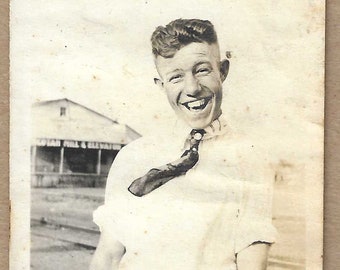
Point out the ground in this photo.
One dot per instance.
(51, 254)
(63, 235)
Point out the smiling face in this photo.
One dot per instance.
(192, 79)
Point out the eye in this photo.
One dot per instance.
(203, 71)
(175, 78)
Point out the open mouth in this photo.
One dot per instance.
(198, 104)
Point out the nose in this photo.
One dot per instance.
(192, 86)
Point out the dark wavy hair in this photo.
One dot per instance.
(166, 41)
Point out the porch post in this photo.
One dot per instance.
(99, 159)
(61, 164)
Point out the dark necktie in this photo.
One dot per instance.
(157, 177)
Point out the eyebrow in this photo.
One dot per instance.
(172, 71)
(202, 62)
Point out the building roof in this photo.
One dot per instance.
(46, 102)
(67, 120)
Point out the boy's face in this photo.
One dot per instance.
(193, 83)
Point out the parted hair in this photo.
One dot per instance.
(166, 41)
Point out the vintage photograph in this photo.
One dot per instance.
(173, 135)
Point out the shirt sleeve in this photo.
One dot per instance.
(255, 212)
(110, 217)
(108, 221)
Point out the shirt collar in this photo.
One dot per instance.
(216, 128)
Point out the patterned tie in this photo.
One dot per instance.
(157, 177)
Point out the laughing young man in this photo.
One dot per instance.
(198, 197)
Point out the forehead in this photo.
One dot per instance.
(188, 56)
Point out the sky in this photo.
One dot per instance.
(99, 54)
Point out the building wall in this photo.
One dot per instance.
(73, 145)
(40, 180)
(80, 166)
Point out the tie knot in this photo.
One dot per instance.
(197, 134)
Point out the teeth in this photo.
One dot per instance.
(196, 103)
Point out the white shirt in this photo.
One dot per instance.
(200, 220)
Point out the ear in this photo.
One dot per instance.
(159, 83)
(224, 69)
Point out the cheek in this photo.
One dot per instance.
(219, 95)
(217, 89)
(173, 94)
(213, 82)
(172, 101)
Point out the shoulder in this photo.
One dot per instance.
(256, 158)
(248, 151)
(133, 161)
(153, 147)
(240, 143)
(143, 144)
(131, 155)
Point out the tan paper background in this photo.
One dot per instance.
(332, 189)
(4, 134)
(332, 145)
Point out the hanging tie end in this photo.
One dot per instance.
(135, 190)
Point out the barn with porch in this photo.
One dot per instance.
(72, 145)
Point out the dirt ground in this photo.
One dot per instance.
(49, 254)
(61, 248)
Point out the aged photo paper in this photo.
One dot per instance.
(83, 96)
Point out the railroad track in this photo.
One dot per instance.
(79, 236)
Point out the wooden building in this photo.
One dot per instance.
(73, 145)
